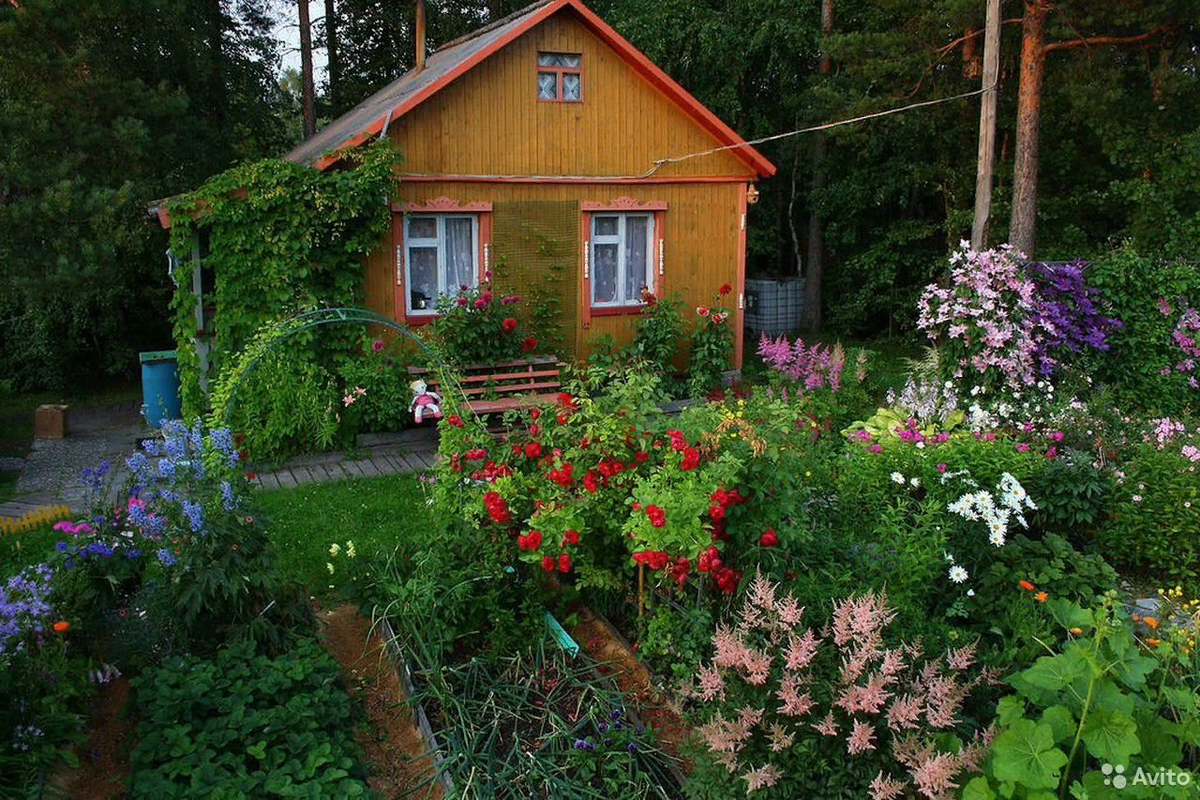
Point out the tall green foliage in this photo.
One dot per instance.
(282, 238)
(105, 106)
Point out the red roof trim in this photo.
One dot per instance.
(644, 66)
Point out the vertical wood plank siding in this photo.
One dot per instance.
(490, 123)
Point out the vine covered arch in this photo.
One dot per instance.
(265, 341)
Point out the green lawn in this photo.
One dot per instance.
(374, 513)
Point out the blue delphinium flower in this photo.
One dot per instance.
(167, 469)
(166, 557)
(195, 514)
(632, 747)
(228, 501)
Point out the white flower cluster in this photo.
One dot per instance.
(982, 505)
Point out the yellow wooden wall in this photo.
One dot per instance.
(701, 227)
(490, 122)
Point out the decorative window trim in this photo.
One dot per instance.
(438, 206)
(657, 260)
(558, 71)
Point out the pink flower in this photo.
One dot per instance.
(876, 448)
(941, 468)
(765, 776)
(702, 310)
(860, 738)
(1022, 447)
(885, 788)
(481, 304)
(935, 777)
(828, 727)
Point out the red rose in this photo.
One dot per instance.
(535, 430)
(571, 537)
(691, 459)
(548, 563)
(529, 345)
(533, 450)
(641, 456)
(509, 325)
(454, 421)
(716, 512)
(726, 289)
(769, 539)
(564, 562)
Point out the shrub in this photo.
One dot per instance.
(659, 330)
(375, 386)
(476, 326)
(1150, 297)
(712, 344)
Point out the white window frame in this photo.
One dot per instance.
(620, 240)
(438, 244)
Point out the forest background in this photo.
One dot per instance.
(107, 105)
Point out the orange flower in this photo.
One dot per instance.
(1077, 631)
(1027, 586)
(1151, 621)
(1135, 617)
(1152, 642)
(1041, 597)
(61, 626)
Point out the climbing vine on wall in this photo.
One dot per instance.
(282, 238)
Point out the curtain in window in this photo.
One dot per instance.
(635, 258)
(460, 254)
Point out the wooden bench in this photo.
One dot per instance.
(495, 388)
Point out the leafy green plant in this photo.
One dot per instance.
(659, 331)
(280, 236)
(477, 326)
(712, 344)
(1155, 512)
(246, 725)
(1102, 706)
(375, 389)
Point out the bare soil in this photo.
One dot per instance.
(103, 770)
(393, 745)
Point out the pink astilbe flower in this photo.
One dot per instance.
(870, 698)
(860, 738)
(749, 716)
(856, 664)
(935, 776)
(943, 697)
(905, 712)
(730, 649)
(712, 685)
(828, 726)
(893, 664)
(794, 704)
(973, 755)
(861, 619)
(764, 777)
(885, 788)
(723, 736)
(801, 649)
(789, 611)
(762, 593)
(756, 666)
(962, 658)
(781, 738)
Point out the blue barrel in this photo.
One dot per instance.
(160, 387)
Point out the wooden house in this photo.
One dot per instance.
(542, 146)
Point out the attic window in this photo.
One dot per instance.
(559, 77)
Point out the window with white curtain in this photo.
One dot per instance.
(622, 249)
(560, 77)
(442, 257)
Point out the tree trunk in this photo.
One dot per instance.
(308, 94)
(334, 67)
(1022, 232)
(814, 273)
(987, 128)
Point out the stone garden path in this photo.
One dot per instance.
(52, 473)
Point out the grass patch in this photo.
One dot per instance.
(376, 513)
(20, 550)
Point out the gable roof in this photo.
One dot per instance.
(372, 116)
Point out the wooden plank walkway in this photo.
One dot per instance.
(327, 467)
